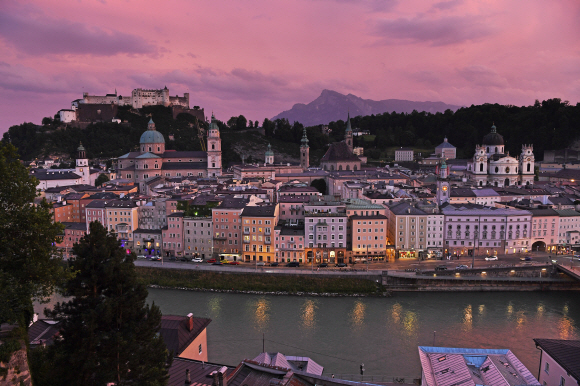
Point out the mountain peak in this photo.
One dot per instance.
(332, 106)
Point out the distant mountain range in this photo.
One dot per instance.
(332, 106)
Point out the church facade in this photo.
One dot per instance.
(492, 166)
(152, 160)
(339, 155)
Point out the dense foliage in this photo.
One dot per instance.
(109, 333)
(29, 264)
(550, 124)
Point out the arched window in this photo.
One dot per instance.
(480, 183)
(488, 149)
(149, 148)
(339, 167)
(528, 167)
(212, 146)
(158, 148)
(496, 150)
(354, 167)
(331, 167)
(480, 167)
(347, 167)
(496, 169)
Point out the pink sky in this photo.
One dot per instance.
(259, 57)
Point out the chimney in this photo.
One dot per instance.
(222, 381)
(190, 321)
(187, 377)
(215, 379)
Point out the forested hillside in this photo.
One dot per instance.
(551, 124)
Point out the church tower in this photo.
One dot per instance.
(348, 134)
(480, 165)
(526, 165)
(214, 149)
(82, 165)
(269, 155)
(443, 187)
(304, 151)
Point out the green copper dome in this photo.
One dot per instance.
(151, 135)
(269, 152)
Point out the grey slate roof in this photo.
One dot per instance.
(259, 211)
(339, 151)
(176, 334)
(565, 352)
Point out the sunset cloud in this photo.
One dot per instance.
(260, 57)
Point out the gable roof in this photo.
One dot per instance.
(179, 331)
(339, 151)
(199, 372)
(565, 352)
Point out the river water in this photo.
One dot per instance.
(382, 333)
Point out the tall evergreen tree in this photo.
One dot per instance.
(109, 332)
(30, 266)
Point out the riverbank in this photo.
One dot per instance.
(257, 283)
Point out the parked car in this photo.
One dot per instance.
(293, 264)
(323, 265)
(217, 263)
(141, 257)
(224, 261)
(234, 263)
(441, 268)
(156, 258)
(274, 264)
(211, 261)
(197, 260)
(488, 258)
(183, 258)
(526, 258)
(260, 263)
(341, 265)
(462, 266)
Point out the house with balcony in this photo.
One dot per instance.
(227, 228)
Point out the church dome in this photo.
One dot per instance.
(151, 135)
(493, 138)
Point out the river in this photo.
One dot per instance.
(382, 333)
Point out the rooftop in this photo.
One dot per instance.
(565, 352)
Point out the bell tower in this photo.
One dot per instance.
(214, 149)
(348, 134)
(269, 156)
(304, 151)
(82, 165)
(526, 164)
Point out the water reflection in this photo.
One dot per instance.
(566, 327)
(214, 305)
(396, 313)
(510, 310)
(357, 315)
(481, 309)
(308, 314)
(410, 323)
(540, 310)
(260, 310)
(467, 318)
(521, 319)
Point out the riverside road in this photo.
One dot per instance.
(538, 258)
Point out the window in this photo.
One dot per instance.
(547, 368)
(562, 381)
(200, 349)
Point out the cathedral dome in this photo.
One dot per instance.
(493, 138)
(151, 135)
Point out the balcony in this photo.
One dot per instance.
(268, 242)
(246, 232)
(220, 237)
(245, 241)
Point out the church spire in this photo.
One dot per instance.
(304, 140)
(348, 127)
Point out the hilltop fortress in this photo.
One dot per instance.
(139, 97)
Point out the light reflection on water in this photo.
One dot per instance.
(357, 315)
(381, 332)
(308, 314)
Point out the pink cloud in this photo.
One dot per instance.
(259, 57)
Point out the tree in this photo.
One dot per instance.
(241, 122)
(269, 127)
(101, 179)
(30, 266)
(319, 184)
(109, 332)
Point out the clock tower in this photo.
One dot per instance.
(443, 187)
